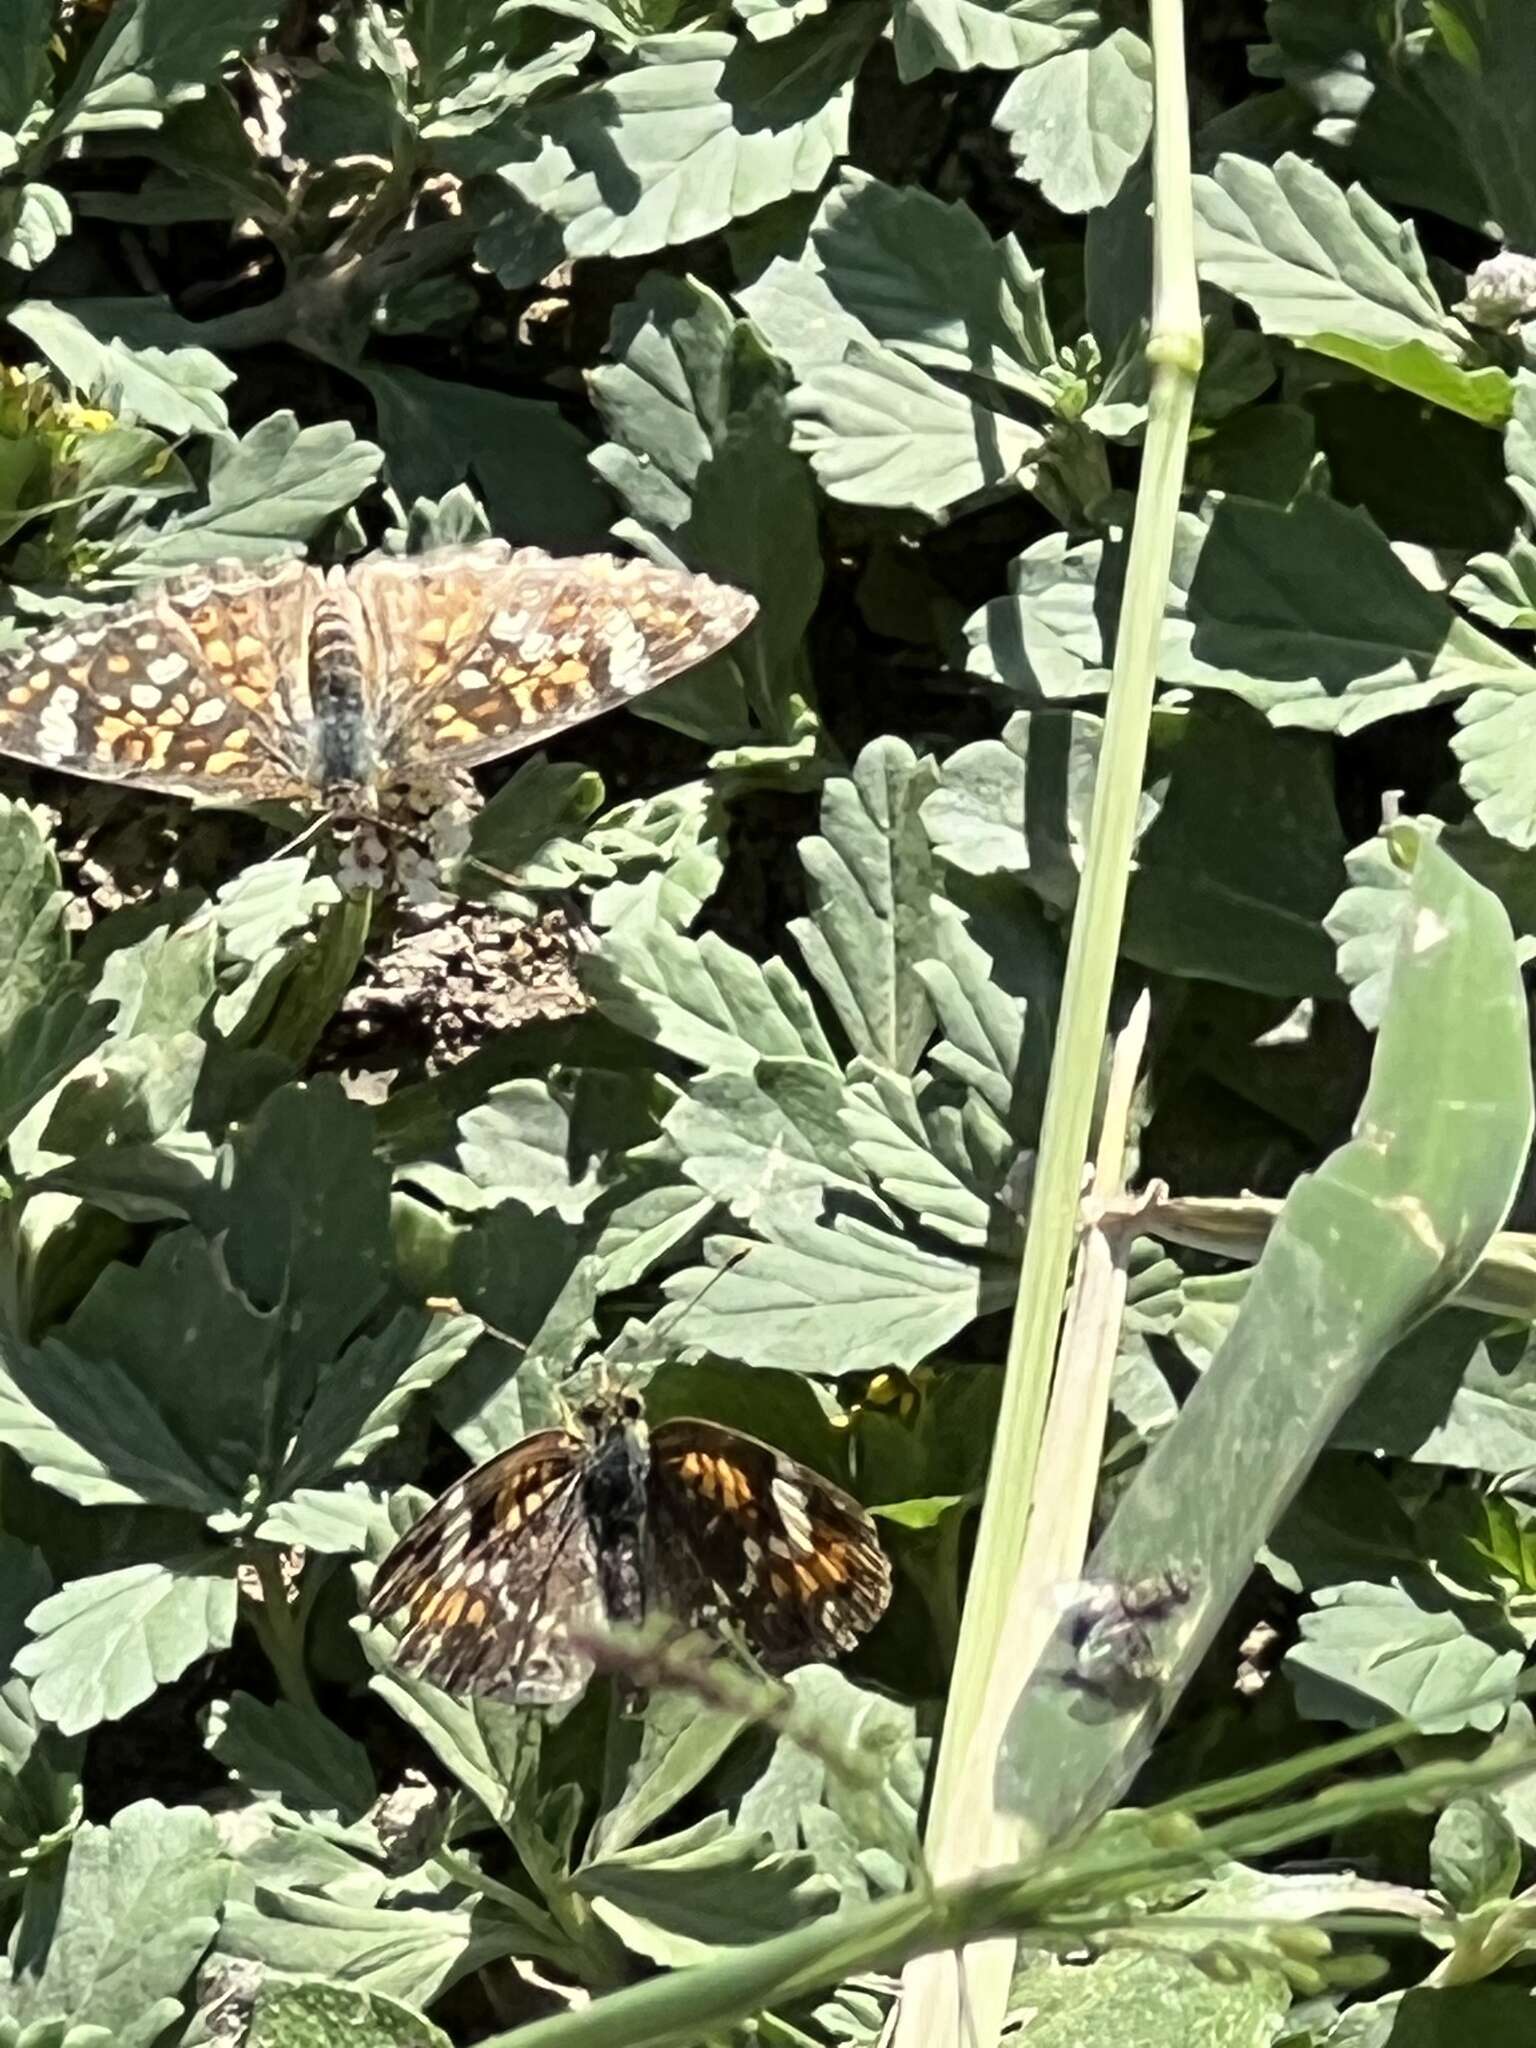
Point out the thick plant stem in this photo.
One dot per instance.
(966, 1832)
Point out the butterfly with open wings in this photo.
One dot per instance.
(511, 1578)
(284, 682)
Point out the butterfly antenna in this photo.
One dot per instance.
(315, 826)
(450, 1305)
(663, 1330)
(473, 860)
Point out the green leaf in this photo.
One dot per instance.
(1020, 805)
(993, 983)
(1078, 122)
(702, 999)
(680, 1745)
(704, 130)
(1460, 1391)
(53, 2034)
(870, 879)
(1238, 870)
(45, 1045)
(845, 1780)
(33, 940)
(1306, 613)
(308, 1224)
(894, 287)
(1146, 2000)
(490, 1747)
(177, 389)
(529, 463)
(40, 1797)
(408, 1952)
(912, 1159)
(1475, 1854)
(315, 2015)
(893, 267)
(880, 432)
(848, 1297)
(1006, 35)
(115, 1943)
(149, 55)
(359, 1401)
(293, 1754)
(104, 1644)
(769, 1143)
(680, 1900)
(1334, 271)
(1370, 1653)
(335, 1523)
(1477, 77)
(140, 1333)
(527, 1139)
(296, 1260)
(34, 219)
(1370, 921)
(1312, 259)
(266, 494)
(24, 69)
(1364, 1248)
(701, 455)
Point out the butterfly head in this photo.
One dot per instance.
(608, 1414)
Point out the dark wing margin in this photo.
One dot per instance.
(499, 1579)
(745, 1535)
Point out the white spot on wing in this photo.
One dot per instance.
(145, 696)
(209, 712)
(629, 663)
(166, 669)
(790, 1502)
(57, 732)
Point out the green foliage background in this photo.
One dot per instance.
(845, 302)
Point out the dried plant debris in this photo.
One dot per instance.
(449, 984)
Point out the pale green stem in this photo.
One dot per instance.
(966, 1833)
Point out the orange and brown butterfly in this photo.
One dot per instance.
(282, 681)
(511, 1577)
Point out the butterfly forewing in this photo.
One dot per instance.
(196, 689)
(744, 1534)
(499, 1579)
(479, 650)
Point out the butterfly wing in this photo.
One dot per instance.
(743, 1534)
(479, 650)
(499, 1578)
(197, 688)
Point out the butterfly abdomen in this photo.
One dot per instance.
(342, 742)
(614, 1492)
